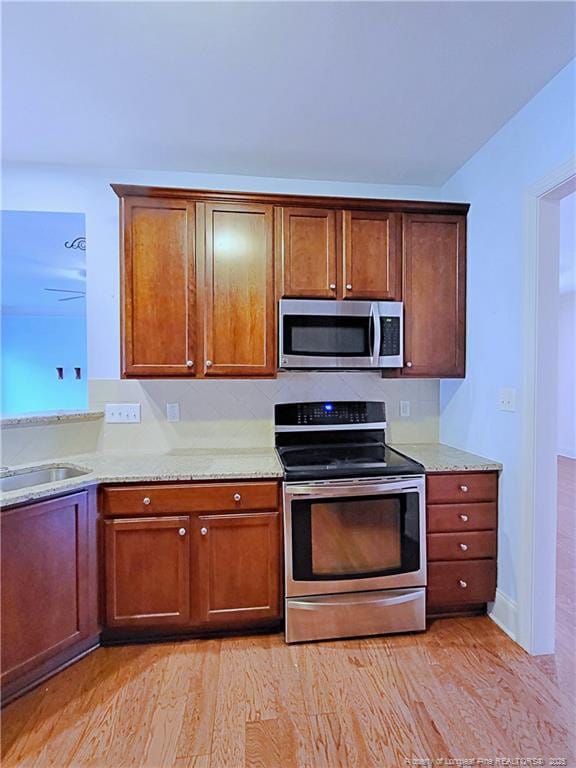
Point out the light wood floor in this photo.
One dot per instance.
(462, 690)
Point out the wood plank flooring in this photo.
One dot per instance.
(461, 690)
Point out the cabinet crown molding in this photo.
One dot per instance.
(348, 203)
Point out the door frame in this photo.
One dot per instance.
(536, 609)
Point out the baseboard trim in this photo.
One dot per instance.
(504, 612)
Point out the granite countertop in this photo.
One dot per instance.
(144, 466)
(437, 457)
(259, 463)
(50, 417)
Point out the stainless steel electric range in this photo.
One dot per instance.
(354, 523)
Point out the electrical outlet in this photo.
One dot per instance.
(122, 413)
(507, 399)
(172, 411)
(405, 408)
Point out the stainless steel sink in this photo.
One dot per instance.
(30, 477)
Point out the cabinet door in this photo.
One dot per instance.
(309, 253)
(372, 259)
(434, 293)
(46, 591)
(238, 297)
(238, 561)
(158, 284)
(147, 571)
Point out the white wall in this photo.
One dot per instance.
(85, 190)
(567, 375)
(495, 181)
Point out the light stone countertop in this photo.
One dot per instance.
(50, 417)
(247, 464)
(437, 457)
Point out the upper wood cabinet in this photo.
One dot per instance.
(308, 241)
(237, 297)
(158, 287)
(434, 293)
(333, 254)
(197, 288)
(372, 259)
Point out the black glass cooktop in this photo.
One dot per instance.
(345, 460)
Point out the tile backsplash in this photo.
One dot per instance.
(239, 413)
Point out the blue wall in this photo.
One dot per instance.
(32, 348)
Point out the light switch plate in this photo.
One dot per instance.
(405, 409)
(507, 399)
(172, 411)
(122, 413)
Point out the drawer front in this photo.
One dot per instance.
(461, 546)
(451, 518)
(179, 498)
(471, 581)
(461, 487)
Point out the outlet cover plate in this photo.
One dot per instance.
(507, 399)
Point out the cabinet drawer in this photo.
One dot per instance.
(459, 487)
(461, 546)
(472, 581)
(158, 499)
(451, 518)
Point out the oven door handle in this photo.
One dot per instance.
(353, 599)
(307, 492)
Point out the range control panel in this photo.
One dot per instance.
(329, 413)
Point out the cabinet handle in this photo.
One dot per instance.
(408, 364)
(181, 531)
(464, 518)
(332, 286)
(208, 363)
(237, 497)
(189, 363)
(464, 488)
(463, 584)
(348, 286)
(463, 547)
(203, 531)
(146, 500)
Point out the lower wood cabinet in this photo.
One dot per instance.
(49, 588)
(238, 565)
(214, 568)
(462, 519)
(147, 571)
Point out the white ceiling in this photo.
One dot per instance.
(35, 257)
(391, 92)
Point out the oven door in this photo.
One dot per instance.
(354, 535)
(329, 334)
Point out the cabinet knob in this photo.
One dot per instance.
(464, 488)
(237, 497)
(181, 531)
(203, 531)
(208, 363)
(146, 500)
(464, 518)
(463, 584)
(332, 286)
(189, 363)
(408, 364)
(348, 286)
(463, 547)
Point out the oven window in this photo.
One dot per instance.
(326, 336)
(355, 538)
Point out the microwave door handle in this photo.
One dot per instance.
(375, 334)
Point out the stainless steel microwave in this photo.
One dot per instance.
(327, 334)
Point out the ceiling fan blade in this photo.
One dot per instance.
(71, 298)
(64, 290)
